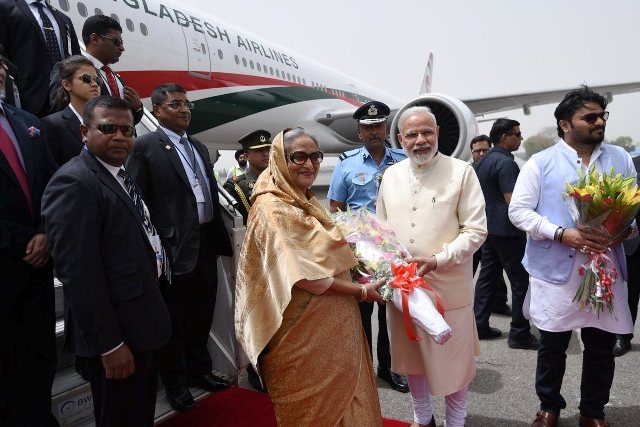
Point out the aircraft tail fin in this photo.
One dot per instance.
(426, 80)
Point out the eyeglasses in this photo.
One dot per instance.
(481, 150)
(88, 78)
(412, 136)
(300, 157)
(117, 42)
(112, 128)
(177, 105)
(518, 134)
(591, 118)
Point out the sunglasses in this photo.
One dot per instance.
(112, 128)
(591, 118)
(177, 105)
(87, 78)
(300, 157)
(117, 42)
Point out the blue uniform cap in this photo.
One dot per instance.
(371, 113)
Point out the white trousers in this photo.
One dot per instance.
(456, 403)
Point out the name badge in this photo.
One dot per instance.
(154, 239)
(197, 191)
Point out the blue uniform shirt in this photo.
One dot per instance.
(356, 178)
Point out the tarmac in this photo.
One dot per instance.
(503, 393)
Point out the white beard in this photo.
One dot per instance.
(424, 159)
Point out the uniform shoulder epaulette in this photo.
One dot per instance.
(349, 153)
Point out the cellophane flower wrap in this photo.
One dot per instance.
(381, 255)
(604, 204)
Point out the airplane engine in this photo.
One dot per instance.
(456, 121)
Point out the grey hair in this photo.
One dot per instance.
(415, 110)
(292, 134)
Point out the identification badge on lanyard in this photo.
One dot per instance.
(197, 191)
(154, 239)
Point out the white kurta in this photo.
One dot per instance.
(437, 210)
(550, 306)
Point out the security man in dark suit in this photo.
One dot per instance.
(354, 185)
(257, 144)
(27, 314)
(173, 172)
(108, 258)
(35, 36)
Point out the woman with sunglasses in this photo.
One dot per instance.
(79, 83)
(297, 314)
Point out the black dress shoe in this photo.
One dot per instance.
(396, 381)
(180, 398)
(622, 347)
(489, 333)
(502, 309)
(255, 380)
(530, 343)
(208, 382)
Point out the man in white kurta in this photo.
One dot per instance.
(556, 249)
(435, 205)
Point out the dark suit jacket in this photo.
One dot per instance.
(63, 135)
(24, 44)
(54, 85)
(156, 167)
(104, 260)
(17, 224)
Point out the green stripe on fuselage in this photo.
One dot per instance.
(222, 109)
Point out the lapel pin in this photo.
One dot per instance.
(168, 147)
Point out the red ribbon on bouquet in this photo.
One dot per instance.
(406, 279)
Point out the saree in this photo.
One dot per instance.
(310, 349)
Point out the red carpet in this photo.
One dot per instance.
(237, 407)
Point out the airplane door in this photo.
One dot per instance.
(198, 53)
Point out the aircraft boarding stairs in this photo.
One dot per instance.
(71, 395)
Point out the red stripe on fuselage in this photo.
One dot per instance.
(145, 81)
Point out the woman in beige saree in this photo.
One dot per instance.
(296, 313)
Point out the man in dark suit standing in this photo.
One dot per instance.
(35, 36)
(102, 37)
(27, 315)
(172, 170)
(107, 257)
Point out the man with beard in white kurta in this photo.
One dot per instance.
(435, 205)
(556, 249)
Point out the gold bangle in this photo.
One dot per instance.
(363, 293)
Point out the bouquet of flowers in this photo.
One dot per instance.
(604, 204)
(380, 254)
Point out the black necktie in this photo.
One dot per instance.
(195, 166)
(53, 48)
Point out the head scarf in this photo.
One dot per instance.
(289, 237)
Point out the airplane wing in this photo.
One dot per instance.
(481, 106)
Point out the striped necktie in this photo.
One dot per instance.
(195, 166)
(53, 48)
(111, 81)
(136, 197)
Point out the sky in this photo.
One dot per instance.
(481, 48)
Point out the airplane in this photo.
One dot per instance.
(240, 82)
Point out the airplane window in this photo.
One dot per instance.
(82, 10)
(237, 59)
(220, 54)
(251, 64)
(288, 76)
(64, 5)
(277, 72)
(271, 70)
(259, 66)
(130, 25)
(97, 11)
(244, 61)
(143, 29)
(115, 17)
